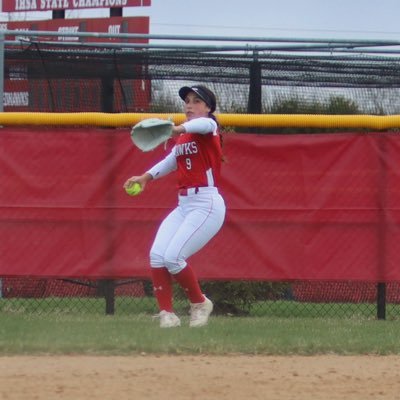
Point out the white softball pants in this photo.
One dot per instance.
(193, 223)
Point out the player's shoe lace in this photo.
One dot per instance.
(168, 319)
(199, 313)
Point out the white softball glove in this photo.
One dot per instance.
(151, 132)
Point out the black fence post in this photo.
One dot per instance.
(106, 289)
(109, 295)
(381, 300)
(108, 285)
(382, 226)
(254, 104)
(107, 94)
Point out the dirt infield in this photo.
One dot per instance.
(200, 377)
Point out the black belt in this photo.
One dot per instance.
(185, 191)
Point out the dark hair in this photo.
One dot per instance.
(212, 103)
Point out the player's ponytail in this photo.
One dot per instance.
(221, 138)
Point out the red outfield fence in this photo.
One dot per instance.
(300, 207)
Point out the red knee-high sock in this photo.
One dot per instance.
(162, 287)
(189, 283)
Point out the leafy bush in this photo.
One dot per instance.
(237, 297)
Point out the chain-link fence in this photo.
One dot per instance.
(312, 299)
(40, 77)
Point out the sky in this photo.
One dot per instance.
(318, 19)
(343, 19)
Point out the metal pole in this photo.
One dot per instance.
(254, 104)
(106, 289)
(382, 227)
(381, 300)
(249, 39)
(2, 38)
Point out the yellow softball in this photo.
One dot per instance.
(133, 189)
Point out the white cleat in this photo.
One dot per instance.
(199, 313)
(169, 319)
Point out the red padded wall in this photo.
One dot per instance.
(307, 206)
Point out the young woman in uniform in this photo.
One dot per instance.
(197, 157)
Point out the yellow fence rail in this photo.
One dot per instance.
(99, 119)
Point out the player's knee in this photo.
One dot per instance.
(174, 265)
(156, 260)
(169, 259)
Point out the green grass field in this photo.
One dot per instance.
(27, 327)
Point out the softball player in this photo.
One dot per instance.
(197, 157)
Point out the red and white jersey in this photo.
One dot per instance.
(198, 158)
